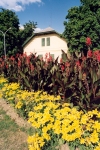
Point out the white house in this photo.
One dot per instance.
(46, 41)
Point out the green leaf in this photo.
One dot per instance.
(25, 79)
(53, 69)
(61, 142)
(64, 56)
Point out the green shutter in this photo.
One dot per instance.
(52, 55)
(48, 41)
(43, 41)
(40, 56)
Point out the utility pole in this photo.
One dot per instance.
(4, 42)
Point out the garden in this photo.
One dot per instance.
(59, 99)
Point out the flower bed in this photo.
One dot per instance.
(55, 123)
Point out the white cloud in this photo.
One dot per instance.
(21, 27)
(37, 30)
(17, 5)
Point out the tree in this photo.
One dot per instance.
(14, 37)
(27, 31)
(8, 19)
(83, 22)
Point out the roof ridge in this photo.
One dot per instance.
(45, 30)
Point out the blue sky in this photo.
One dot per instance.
(45, 12)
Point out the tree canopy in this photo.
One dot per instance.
(9, 25)
(14, 36)
(27, 31)
(83, 22)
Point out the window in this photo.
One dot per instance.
(40, 56)
(48, 41)
(62, 56)
(52, 55)
(43, 41)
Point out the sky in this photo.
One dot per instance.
(47, 13)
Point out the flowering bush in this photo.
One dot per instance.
(55, 123)
(64, 124)
(9, 91)
(88, 41)
(71, 78)
(71, 116)
(3, 81)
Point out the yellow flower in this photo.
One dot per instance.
(1, 95)
(33, 142)
(19, 105)
(31, 113)
(94, 137)
(3, 80)
(84, 119)
(97, 126)
(87, 141)
(44, 129)
(82, 140)
(97, 148)
(46, 136)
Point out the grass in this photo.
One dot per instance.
(12, 136)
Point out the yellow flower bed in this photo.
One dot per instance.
(68, 123)
(52, 119)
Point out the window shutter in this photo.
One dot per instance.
(43, 41)
(48, 41)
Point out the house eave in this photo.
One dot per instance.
(40, 33)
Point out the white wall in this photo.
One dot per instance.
(56, 44)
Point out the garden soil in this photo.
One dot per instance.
(13, 140)
(21, 136)
(13, 115)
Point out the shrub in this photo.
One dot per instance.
(55, 123)
(75, 79)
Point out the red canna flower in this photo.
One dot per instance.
(12, 58)
(62, 97)
(27, 60)
(62, 68)
(61, 60)
(88, 41)
(49, 59)
(96, 53)
(46, 55)
(7, 66)
(78, 63)
(89, 53)
(98, 57)
(83, 58)
(67, 64)
(24, 54)
(19, 64)
(2, 64)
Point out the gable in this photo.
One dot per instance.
(38, 37)
(47, 42)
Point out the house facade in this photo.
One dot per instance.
(46, 41)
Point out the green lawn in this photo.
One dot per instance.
(12, 136)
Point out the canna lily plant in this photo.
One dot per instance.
(76, 78)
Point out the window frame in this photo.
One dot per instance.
(40, 56)
(48, 41)
(43, 41)
(53, 56)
